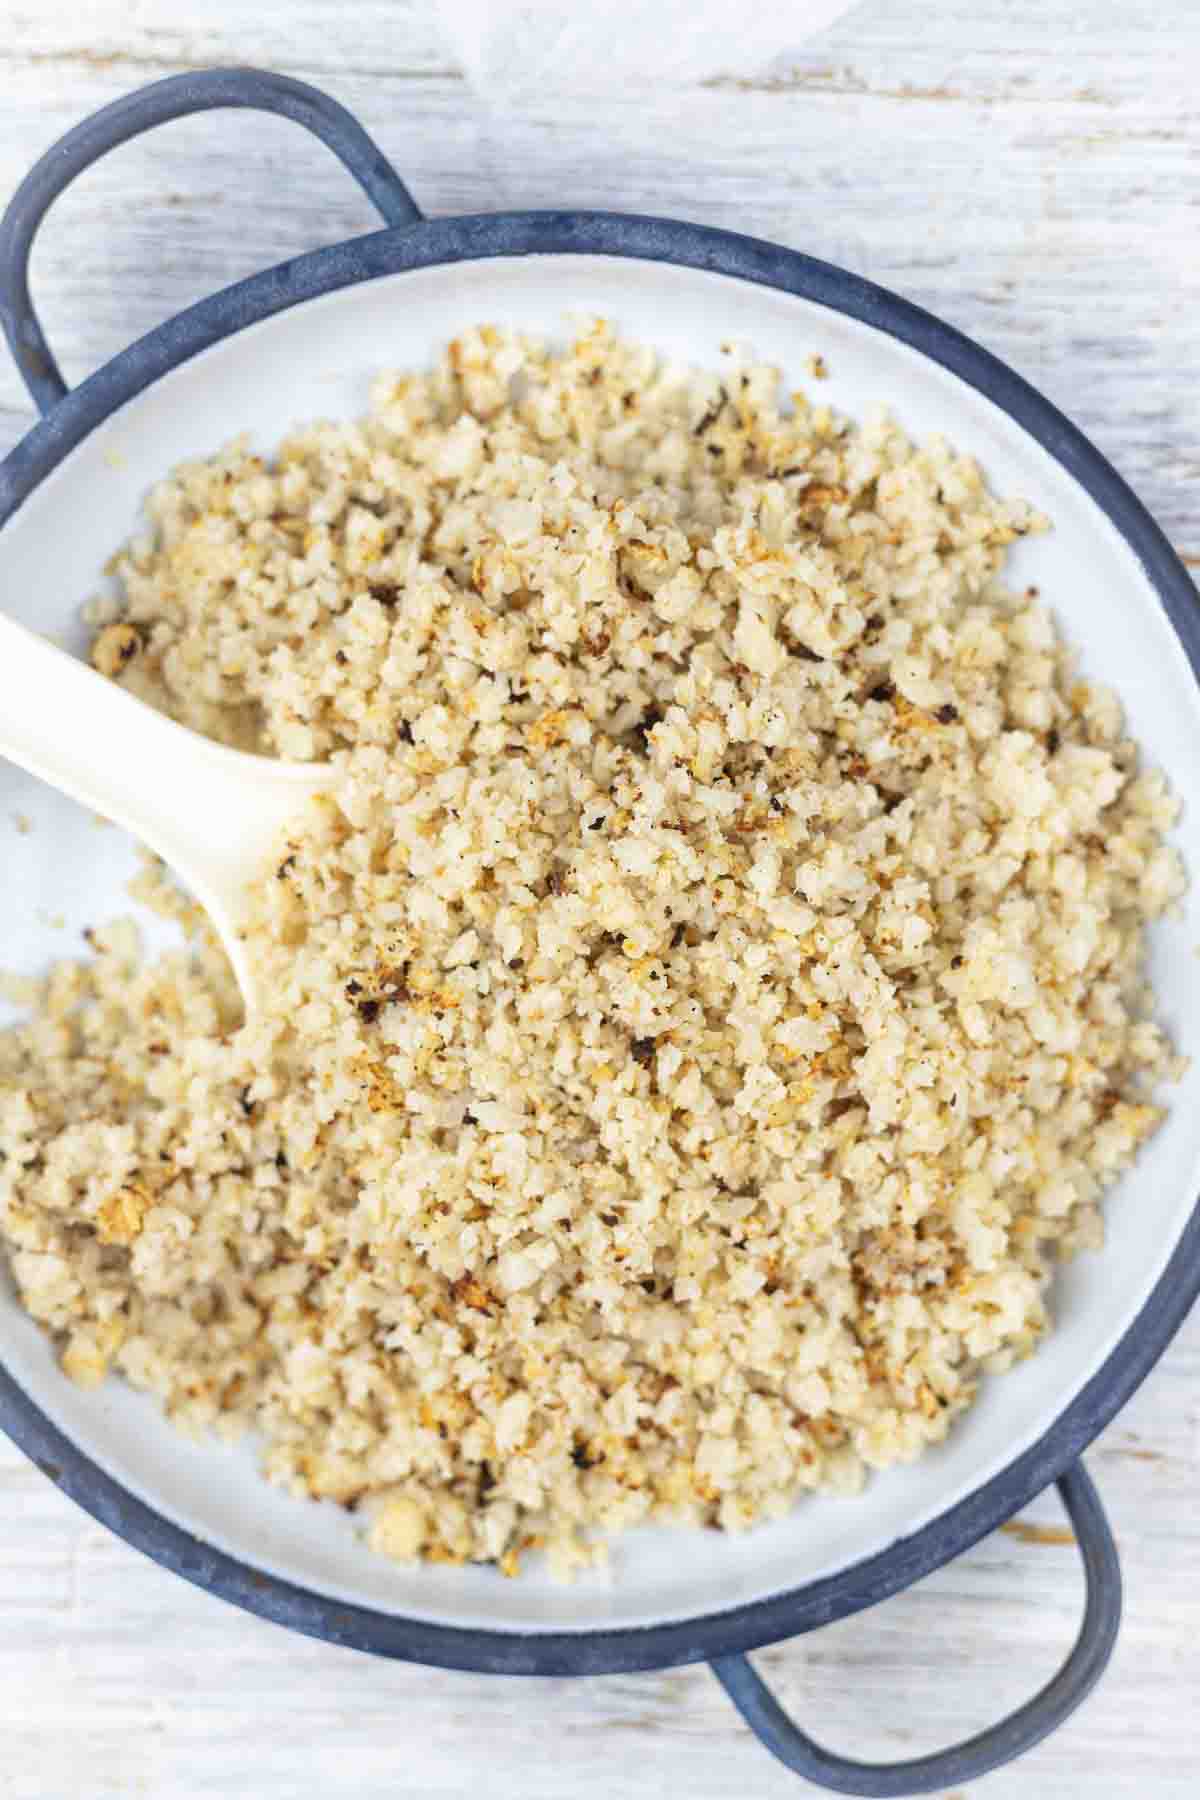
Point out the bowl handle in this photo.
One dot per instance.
(127, 118)
(1000, 1743)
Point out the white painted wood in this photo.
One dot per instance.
(1026, 168)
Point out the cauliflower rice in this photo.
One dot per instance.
(711, 1004)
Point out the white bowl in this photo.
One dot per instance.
(317, 360)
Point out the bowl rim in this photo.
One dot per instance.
(484, 237)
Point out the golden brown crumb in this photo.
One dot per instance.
(119, 1218)
(115, 648)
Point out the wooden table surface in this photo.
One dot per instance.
(1026, 168)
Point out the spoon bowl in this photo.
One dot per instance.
(215, 815)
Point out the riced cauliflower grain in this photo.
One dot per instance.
(711, 1003)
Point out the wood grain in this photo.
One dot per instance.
(1025, 168)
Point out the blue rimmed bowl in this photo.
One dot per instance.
(304, 340)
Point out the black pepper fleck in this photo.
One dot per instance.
(712, 415)
(947, 714)
(883, 690)
(1053, 739)
(368, 1011)
(643, 1051)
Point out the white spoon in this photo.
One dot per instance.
(215, 815)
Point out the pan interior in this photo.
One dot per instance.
(317, 361)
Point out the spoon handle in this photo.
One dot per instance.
(214, 814)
